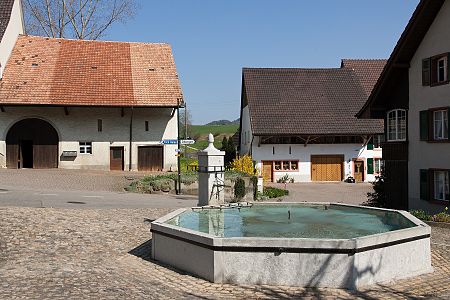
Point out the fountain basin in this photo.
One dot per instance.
(314, 244)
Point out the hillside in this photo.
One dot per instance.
(200, 134)
(223, 122)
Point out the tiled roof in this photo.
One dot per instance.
(5, 14)
(306, 102)
(46, 71)
(367, 70)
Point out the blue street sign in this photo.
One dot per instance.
(169, 142)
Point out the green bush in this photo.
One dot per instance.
(286, 179)
(165, 182)
(378, 198)
(274, 192)
(442, 217)
(420, 214)
(254, 181)
(239, 188)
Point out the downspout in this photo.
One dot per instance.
(131, 140)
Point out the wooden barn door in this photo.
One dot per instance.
(327, 167)
(150, 158)
(32, 143)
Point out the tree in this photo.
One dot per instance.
(224, 144)
(76, 19)
(230, 152)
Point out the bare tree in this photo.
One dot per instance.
(77, 19)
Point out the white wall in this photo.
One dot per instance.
(303, 155)
(424, 155)
(14, 28)
(81, 125)
(246, 132)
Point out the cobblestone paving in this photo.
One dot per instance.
(103, 254)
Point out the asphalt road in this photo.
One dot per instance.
(34, 197)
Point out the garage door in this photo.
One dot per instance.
(150, 158)
(327, 167)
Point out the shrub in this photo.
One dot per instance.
(239, 188)
(286, 179)
(420, 214)
(243, 164)
(378, 198)
(254, 181)
(443, 216)
(275, 192)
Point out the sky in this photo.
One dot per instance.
(212, 40)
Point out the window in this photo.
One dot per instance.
(377, 165)
(441, 69)
(286, 165)
(85, 147)
(99, 125)
(396, 123)
(378, 140)
(435, 70)
(441, 185)
(440, 124)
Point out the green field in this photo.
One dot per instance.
(200, 134)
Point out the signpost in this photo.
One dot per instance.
(187, 142)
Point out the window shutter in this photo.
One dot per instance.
(448, 66)
(370, 166)
(424, 184)
(424, 125)
(426, 72)
(370, 145)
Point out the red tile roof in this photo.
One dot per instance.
(367, 70)
(47, 71)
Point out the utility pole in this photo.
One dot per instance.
(186, 134)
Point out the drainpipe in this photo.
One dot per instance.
(179, 146)
(131, 139)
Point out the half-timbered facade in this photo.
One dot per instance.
(413, 97)
(301, 122)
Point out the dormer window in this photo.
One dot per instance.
(396, 125)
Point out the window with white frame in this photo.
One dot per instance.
(377, 165)
(441, 185)
(85, 147)
(440, 124)
(396, 123)
(441, 68)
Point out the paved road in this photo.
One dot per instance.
(32, 197)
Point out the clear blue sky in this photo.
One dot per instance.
(213, 39)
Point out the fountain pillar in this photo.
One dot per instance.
(211, 179)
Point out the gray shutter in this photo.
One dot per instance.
(424, 125)
(424, 184)
(426, 72)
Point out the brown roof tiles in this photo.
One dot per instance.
(367, 70)
(46, 71)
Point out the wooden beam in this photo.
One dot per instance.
(122, 112)
(173, 112)
(2, 109)
(307, 141)
(66, 110)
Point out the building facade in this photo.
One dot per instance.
(301, 123)
(87, 104)
(413, 96)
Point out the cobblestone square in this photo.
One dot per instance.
(104, 254)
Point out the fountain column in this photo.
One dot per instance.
(211, 179)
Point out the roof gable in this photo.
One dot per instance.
(406, 47)
(46, 71)
(6, 7)
(306, 102)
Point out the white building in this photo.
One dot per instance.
(413, 96)
(301, 122)
(86, 104)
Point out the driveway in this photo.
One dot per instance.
(349, 193)
(80, 189)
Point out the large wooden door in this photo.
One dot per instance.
(116, 159)
(359, 171)
(327, 167)
(32, 143)
(150, 158)
(268, 171)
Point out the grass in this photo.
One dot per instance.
(200, 134)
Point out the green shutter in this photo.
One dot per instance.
(424, 185)
(370, 166)
(370, 145)
(426, 72)
(424, 125)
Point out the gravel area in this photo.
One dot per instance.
(104, 254)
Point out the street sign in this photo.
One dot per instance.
(169, 142)
(178, 150)
(187, 142)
